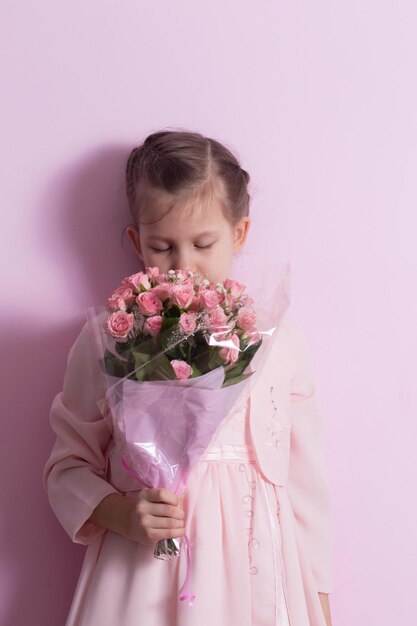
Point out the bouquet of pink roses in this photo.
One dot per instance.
(176, 351)
(176, 325)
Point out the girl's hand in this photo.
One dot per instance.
(157, 514)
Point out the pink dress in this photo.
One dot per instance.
(232, 521)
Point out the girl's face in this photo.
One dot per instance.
(202, 240)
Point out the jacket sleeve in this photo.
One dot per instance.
(308, 481)
(74, 475)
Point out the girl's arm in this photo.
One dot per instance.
(308, 481)
(74, 475)
(324, 599)
(114, 513)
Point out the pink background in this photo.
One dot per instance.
(319, 101)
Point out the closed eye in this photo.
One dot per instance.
(206, 247)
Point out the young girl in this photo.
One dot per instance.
(257, 507)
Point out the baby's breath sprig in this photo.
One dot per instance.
(176, 337)
(139, 320)
(178, 334)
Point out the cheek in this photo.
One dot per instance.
(151, 259)
(221, 264)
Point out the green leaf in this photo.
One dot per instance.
(160, 368)
(122, 348)
(146, 346)
(215, 359)
(235, 379)
(140, 360)
(182, 349)
(196, 371)
(114, 366)
(201, 358)
(168, 323)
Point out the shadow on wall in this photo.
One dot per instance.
(86, 219)
(85, 210)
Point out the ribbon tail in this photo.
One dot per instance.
(185, 594)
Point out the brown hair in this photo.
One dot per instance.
(174, 166)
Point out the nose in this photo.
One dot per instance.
(182, 260)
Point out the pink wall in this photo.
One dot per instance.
(319, 100)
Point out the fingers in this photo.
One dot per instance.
(162, 495)
(164, 522)
(156, 528)
(166, 510)
(150, 502)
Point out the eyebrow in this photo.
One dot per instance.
(196, 236)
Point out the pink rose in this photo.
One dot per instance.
(188, 322)
(127, 281)
(229, 301)
(149, 303)
(209, 298)
(217, 318)
(161, 278)
(121, 298)
(195, 303)
(234, 287)
(153, 272)
(254, 337)
(230, 354)
(246, 318)
(140, 280)
(247, 300)
(182, 369)
(182, 295)
(163, 290)
(221, 295)
(119, 324)
(153, 325)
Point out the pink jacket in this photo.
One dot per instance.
(287, 428)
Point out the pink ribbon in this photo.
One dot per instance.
(189, 595)
(183, 594)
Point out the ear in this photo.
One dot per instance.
(133, 235)
(241, 230)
